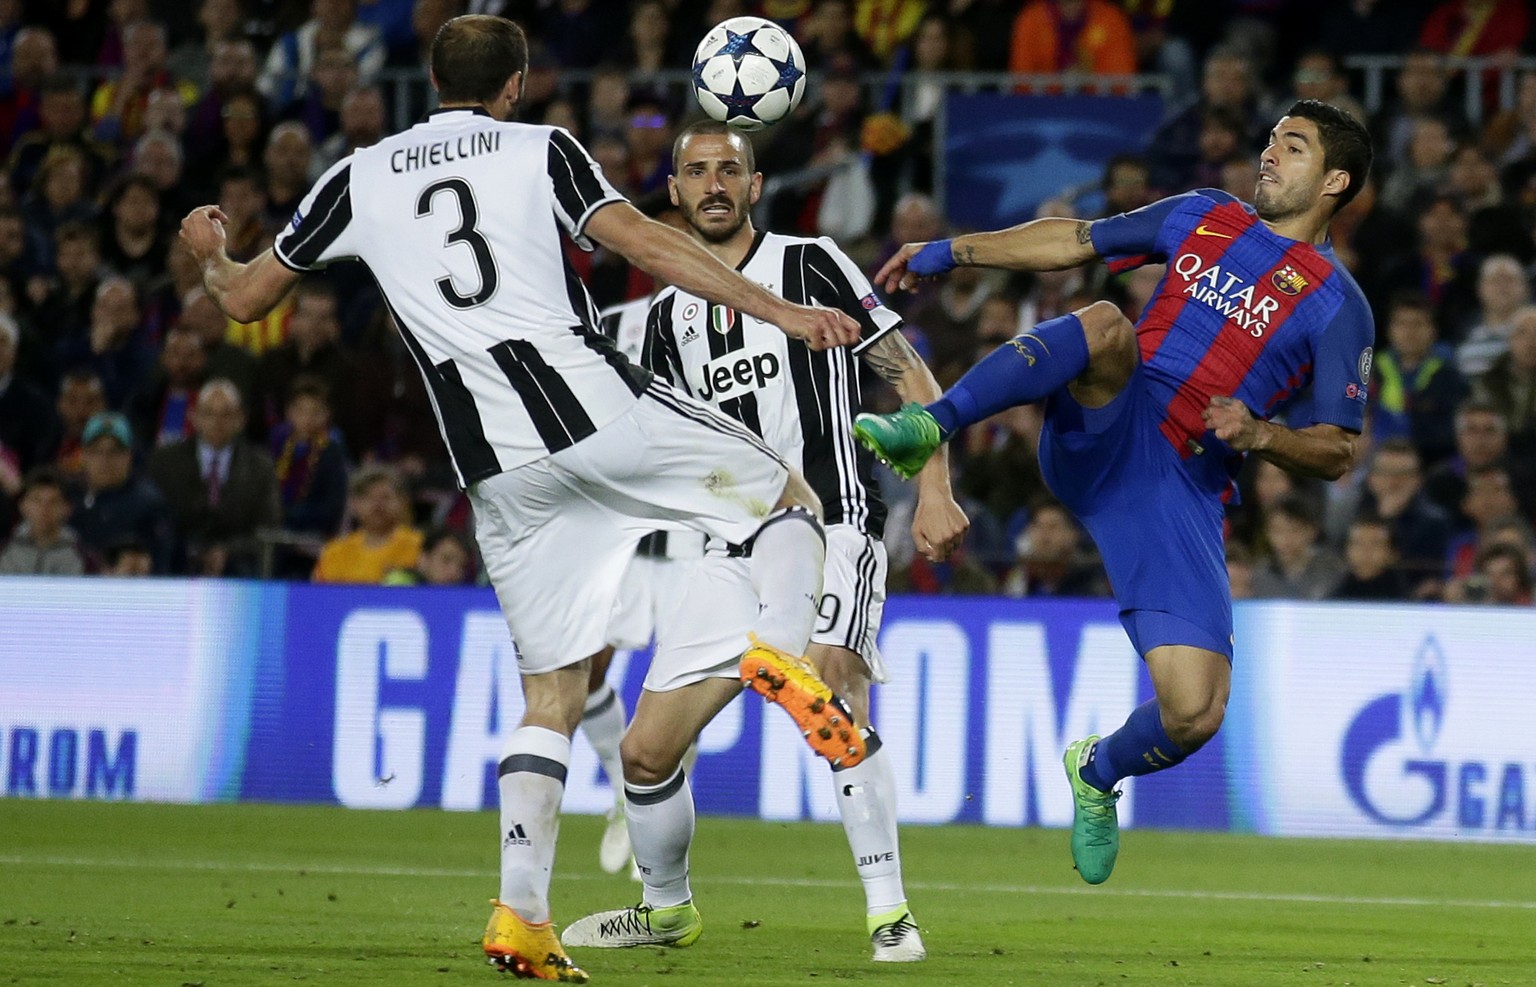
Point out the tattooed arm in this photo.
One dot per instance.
(1039, 245)
(938, 524)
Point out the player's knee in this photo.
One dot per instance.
(1109, 333)
(1191, 726)
(646, 764)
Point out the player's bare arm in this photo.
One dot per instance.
(678, 259)
(244, 292)
(938, 523)
(1038, 245)
(1321, 450)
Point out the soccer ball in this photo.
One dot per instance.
(748, 72)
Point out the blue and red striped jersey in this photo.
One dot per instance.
(1242, 312)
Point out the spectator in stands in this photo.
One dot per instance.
(1422, 90)
(1414, 383)
(243, 199)
(233, 71)
(1510, 385)
(383, 539)
(649, 136)
(1298, 567)
(447, 559)
(645, 47)
(1372, 562)
(1222, 140)
(16, 268)
(61, 304)
(333, 75)
(43, 544)
(127, 558)
(117, 107)
(1089, 36)
(114, 343)
(162, 411)
(197, 58)
(829, 32)
(362, 125)
(158, 157)
(114, 503)
(1437, 263)
(1470, 28)
(287, 158)
(1424, 168)
(1127, 184)
(1420, 529)
(221, 489)
(1511, 135)
(61, 115)
(311, 462)
(313, 349)
(62, 194)
(1227, 80)
(80, 397)
(244, 131)
(1502, 290)
(34, 59)
(133, 244)
(26, 417)
(1503, 578)
(285, 78)
(1050, 557)
(606, 103)
(1318, 76)
(580, 33)
(1482, 440)
(1370, 27)
(1488, 502)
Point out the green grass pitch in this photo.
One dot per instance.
(223, 896)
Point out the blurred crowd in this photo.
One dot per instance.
(143, 432)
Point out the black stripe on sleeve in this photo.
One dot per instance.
(326, 220)
(570, 169)
(556, 413)
(659, 354)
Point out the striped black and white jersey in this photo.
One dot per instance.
(624, 324)
(460, 220)
(800, 401)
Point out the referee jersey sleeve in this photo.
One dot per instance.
(320, 229)
(835, 281)
(579, 184)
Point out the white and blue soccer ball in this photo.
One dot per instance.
(748, 72)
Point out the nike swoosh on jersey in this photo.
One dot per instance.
(1202, 231)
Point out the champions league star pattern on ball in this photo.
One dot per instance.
(748, 72)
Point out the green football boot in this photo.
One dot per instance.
(903, 440)
(1095, 824)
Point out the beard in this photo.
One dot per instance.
(716, 234)
(1274, 202)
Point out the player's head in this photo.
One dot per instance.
(714, 180)
(478, 58)
(1317, 154)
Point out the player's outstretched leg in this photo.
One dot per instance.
(1030, 367)
(788, 553)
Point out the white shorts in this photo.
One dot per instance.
(704, 635)
(651, 587)
(556, 534)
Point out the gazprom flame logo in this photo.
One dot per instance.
(1288, 280)
(1420, 711)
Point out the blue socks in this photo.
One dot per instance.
(1140, 747)
(1027, 368)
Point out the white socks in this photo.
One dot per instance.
(603, 723)
(661, 829)
(788, 552)
(866, 798)
(531, 780)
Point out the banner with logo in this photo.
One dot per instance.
(1357, 721)
(1005, 153)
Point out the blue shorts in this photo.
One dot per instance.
(1157, 526)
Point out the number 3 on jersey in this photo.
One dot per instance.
(469, 213)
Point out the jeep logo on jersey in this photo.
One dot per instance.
(736, 374)
(1227, 293)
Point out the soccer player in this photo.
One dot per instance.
(568, 451)
(1146, 426)
(802, 403)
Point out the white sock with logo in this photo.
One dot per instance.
(788, 553)
(661, 829)
(603, 723)
(866, 799)
(531, 780)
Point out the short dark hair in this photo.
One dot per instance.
(310, 386)
(1517, 558)
(711, 128)
(44, 476)
(474, 55)
(1346, 143)
(76, 230)
(1299, 507)
(1413, 300)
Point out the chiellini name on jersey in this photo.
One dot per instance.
(407, 159)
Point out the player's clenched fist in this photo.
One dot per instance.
(203, 231)
(1233, 423)
(821, 328)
